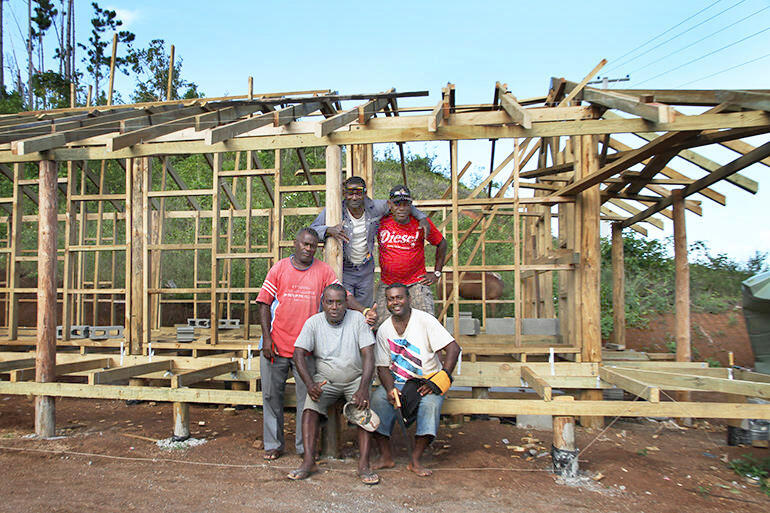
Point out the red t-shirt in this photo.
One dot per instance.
(293, 296)
(402, 250)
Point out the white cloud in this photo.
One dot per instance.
(127, 16)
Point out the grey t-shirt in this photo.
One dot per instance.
(336, 348)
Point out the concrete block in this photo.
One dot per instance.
(505, 326)
(199, 323)
(541, 422)
(75, 332)
(468, 325)
(229, 324)
(105, 332)
(185, 334)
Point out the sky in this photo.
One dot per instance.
(359, 47)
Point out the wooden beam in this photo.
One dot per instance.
(277, 118)
(749, 100)
(518, 113)
(11, 365)
(618, 288)
(645, 391)
(148, 133)
(536, 383)
(124, 373)
(696, 382)
(655, 112)
(62, 369)
(196, 376)
(365, 111)
(579, 87)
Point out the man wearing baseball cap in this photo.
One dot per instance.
(360, 220)
(402, 253)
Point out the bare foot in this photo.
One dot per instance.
(380, 464)
(419, 470)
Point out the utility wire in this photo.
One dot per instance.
(698, 41)
(704, 56)
(724, 70)
(665, 32)
(681, 33)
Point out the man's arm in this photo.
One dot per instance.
(313, 388)
(430, 278)
(361, 397)
(265, 319)
(386, 378)
(450, 360)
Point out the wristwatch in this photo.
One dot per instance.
(437, 274)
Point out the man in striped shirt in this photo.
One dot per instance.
(406, 354)
(290, 295)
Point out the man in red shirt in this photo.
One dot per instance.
(402, 253)
(290, 295)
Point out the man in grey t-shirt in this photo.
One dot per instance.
(343, 347)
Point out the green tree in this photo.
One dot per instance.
(97, 58)
(151, 68)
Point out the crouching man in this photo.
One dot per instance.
(342, 345)
(408, 366)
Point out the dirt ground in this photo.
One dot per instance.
(103, 461)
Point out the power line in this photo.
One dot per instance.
(724, 70)
(681, 33)
(698, 41)
(666, 31)
(704, 56)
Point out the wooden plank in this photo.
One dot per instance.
(331, 124)
(148, 133)
(618, 288)
(579, 87)
(536, 383)
(518, 113)
(124, 373)
(21, 363)
(655, 112)
(695, 382)
(62, 369)
(196, 376)
(750, 100)
(436, 116)
(645, 391)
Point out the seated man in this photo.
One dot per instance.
(342, 346)
(406, 357)
(402, 253)
(360, 220)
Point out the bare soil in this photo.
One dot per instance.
(103, 461)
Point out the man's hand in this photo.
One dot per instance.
(425, 227)
(425, 390)
(428, 279)
(267, 348)
(315, 390)
(392, 396)
(361, 397)
(371, 315)
(338, 232)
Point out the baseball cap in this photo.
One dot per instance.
(400, 193)
(366, 418)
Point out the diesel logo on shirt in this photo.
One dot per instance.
(398, 238)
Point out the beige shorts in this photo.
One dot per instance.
(330, 394)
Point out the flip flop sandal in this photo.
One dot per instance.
(297, 475)
(272, 455)
(369, 478)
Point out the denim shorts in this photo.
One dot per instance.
(428, 413)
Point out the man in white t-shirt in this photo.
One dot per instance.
(357, 232)
(406, 357)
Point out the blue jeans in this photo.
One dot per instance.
(428, 413)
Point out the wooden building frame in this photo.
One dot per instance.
(566, 150)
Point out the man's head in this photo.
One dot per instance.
(354, 190)
(400, 202)
(334, 302)
(397, 298)
(305, 245)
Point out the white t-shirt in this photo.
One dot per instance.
(412, 354)
(357, 244)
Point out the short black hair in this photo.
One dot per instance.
(337, 287)
(354, 181)
(398, 286)
(309, 230)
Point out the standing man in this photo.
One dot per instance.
(290, 294)
(360, 220)
(342, 346)
(402, 253)
(408, 365)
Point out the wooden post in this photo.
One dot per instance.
(618, 288)
(590, 262)
(112, 68)
(332, 247)
(17, 212)
(181, 422)
(138, 334)
(45, 361)
(564, 452)
(455, 185)
(251, 91)
(681, 288)
(215, 214)
(170, 74)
